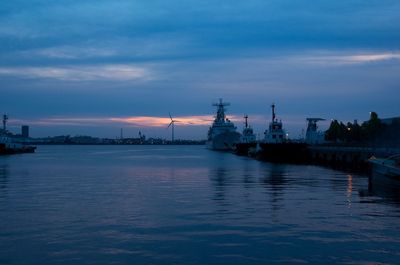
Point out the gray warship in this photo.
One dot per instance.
(222, 134)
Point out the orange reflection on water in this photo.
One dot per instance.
(349, 185)
(349, 189)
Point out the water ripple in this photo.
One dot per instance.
(187, 205)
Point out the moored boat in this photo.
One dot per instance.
(8, 147)
(276, 147)
(222, 134)
(385, 171)
(247, 140)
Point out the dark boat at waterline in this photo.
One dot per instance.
(385, 171)
(7, 147)
(243, 149)
(247, 140)
(10, 150)
(277, 148)
(289, 152)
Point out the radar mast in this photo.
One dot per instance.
(221, 110)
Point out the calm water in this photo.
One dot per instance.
(187, 205)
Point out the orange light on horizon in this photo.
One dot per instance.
(150, 121)
(135, 121)
(140, 121)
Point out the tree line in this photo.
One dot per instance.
(371, 131)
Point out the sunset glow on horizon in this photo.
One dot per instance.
(135, 121)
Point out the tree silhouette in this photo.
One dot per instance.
(369, 131)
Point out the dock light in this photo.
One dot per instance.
(349, 129)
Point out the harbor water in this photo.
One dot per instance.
(187, 205)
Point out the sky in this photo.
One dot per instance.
(92, 67)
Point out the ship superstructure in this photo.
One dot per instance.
(222, 134)
(248, 135)
(313, 136)
(275, 132)
(8, 144)
(276, 147)
(247, 140)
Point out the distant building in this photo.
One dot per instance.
(391, 132)
(25, 131)
(390, 121)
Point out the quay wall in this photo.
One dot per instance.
(344, 156)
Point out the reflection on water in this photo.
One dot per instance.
(187, 205)
(349, 189)
(387, 191)
(275, 177)
(218, 178)
(3, 177)
(275, 183)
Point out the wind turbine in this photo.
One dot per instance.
(173, 126)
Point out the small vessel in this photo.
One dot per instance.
(8, 147)
(222, 134)
(386, 171)
(247, 140)
(7, 144)
(276, 147)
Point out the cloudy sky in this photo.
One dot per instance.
(94, 66)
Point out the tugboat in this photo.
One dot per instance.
(277, 148)
(222, 134)
(8, 146)
(247, 140)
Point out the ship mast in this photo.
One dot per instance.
(221, 110)
(245, 118)
(273, 112)
(5, 118)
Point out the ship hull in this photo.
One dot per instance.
(224, 141)
(384, 175)
(284, 152)
(244, 148)
(5, 150)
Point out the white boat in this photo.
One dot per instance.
(222, 134)
(247, 140)
(386, 170)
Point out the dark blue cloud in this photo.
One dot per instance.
(101, 57)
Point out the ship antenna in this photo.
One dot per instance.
(5, 118)
(245, 118)
(273, 112)
(221, 110)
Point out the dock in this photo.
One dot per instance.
(347, 156)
